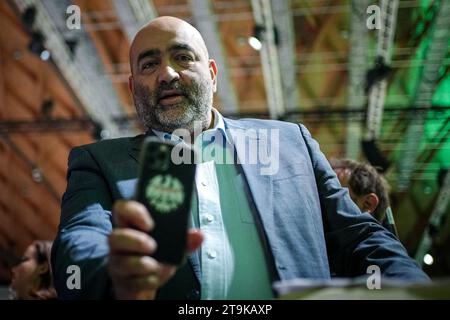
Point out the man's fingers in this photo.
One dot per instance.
(135, 275)
(137, 284)
(132, 214)
(146, 283)
(194, 240)
(133, 266)
(129, 241)
(166, 272)
(139, 288)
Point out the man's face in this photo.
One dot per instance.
(172, 79)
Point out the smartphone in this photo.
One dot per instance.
(165, 187)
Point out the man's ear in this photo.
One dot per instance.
(370, 202)
(213, 71)
(130, 84)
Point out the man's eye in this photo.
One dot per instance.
(184, 58)
(149, 65)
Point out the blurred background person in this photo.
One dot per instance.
(367, 188)
(32, 276)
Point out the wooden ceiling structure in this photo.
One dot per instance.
(33, 160)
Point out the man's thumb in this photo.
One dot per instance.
(194, 240)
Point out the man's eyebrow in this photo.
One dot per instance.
(148, 53)
(181, 46)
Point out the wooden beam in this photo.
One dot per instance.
(48, 213)
(39, 152)
(34, 223)
(17, 107)
(15, 232)
(34, 195)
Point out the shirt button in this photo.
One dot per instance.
(204, 183)
(212, 254)
(208, 218)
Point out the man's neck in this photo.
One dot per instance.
(212, 119)
(210, 125)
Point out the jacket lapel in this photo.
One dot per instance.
(260, 185)
(135, 146)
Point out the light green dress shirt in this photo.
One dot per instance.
(234, 263)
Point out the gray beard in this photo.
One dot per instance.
(192, 111)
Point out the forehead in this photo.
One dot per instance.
(163, 38)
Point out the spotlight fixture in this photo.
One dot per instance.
(98, 132)
(374, 155)
(45, 55)
(428, 259)
(259, 33)
(255, 43)
(47, 108)
(379, 72)
(441, 176)
(72, 44)
(37, 46)
(29, 16)
(36, 174)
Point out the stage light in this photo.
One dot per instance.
(374, 155)
(255, 43)
(441, 176)
(428, 259)
(36, 174)
(379, 72)
(37, 46)
(28, 17)
(72, 45)
(45, 55)
(47, 108)
(98, 132)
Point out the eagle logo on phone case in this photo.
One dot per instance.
(165, 192)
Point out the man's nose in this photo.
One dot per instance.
(168, 74)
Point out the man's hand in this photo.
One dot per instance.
(135, 274)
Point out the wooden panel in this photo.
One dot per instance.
(21, 213)
(22, 84)
(16, 109)
(37, 150)
(14, 231)
(34, 196)
(58, 91)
